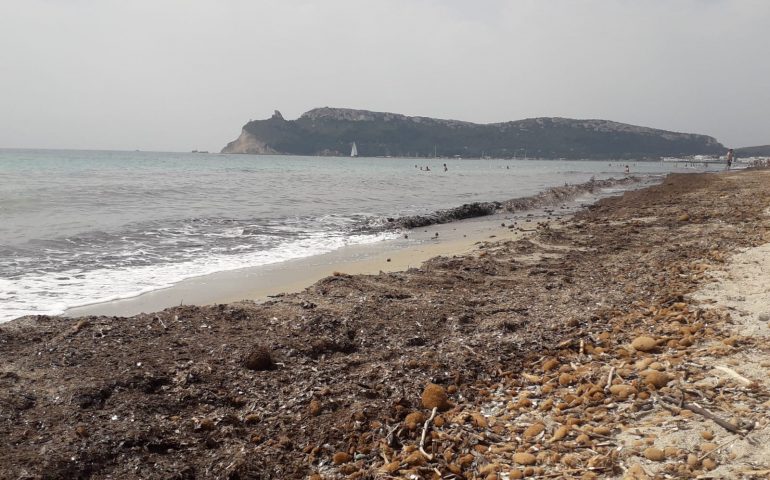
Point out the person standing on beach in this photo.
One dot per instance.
(445, 169)
(730, 156)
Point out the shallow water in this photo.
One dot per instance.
(80, 227)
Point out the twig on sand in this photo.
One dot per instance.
(424, 431)
(609, 380)
(755, 472)
(694, 407)
(719, 447)
(389, 438)
(734, 374)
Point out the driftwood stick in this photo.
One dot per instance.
(389, 439)
(755, 472)
(609, 380)
(424, 431)
(719, 447)
(734, 374)
(597, 435)
(694, 407)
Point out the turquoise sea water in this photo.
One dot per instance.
(79, 227)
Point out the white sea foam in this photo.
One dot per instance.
(53, 293)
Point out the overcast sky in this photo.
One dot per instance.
(187, 74)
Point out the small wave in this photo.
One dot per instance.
(41, 293)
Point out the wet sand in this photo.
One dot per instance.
(431, 238)
(260, 283)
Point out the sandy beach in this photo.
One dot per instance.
(625, 341)
(260, 283)
(423, 238)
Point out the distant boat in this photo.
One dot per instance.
(354, 150)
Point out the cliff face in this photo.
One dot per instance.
(248, 143)
(331, 131)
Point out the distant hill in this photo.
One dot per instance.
(758, 151)
(332, 131)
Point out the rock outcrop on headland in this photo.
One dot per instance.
(332, 131)
(248, 143)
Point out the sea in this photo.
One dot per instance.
(84, 227)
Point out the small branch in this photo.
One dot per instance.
(389, 438)
(424, 431)
(755, 472)
(609, 380)
(734, 374)
(596, 435)
(719, 447)
(694, 407)
(719, 421)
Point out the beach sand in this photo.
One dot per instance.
(260, 283)
(419, 244)
(627, 341)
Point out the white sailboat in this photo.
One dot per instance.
(354, 150)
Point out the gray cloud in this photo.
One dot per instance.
(184, 74)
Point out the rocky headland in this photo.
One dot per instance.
(332, 131)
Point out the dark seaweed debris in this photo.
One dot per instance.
(549, 197)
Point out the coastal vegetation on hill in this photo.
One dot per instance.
(332, 131)
(757, 151)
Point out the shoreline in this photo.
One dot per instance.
(262, 282)
(458, 230)
(591, 345)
